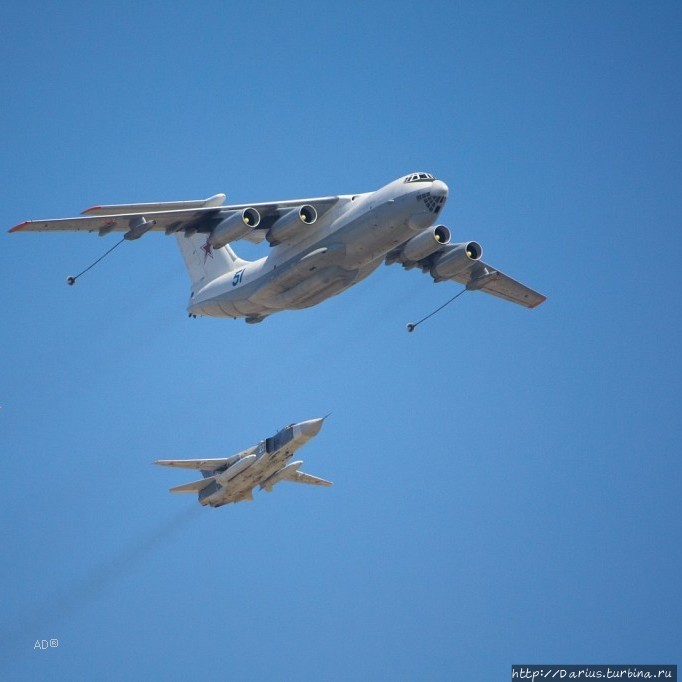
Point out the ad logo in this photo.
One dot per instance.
(43, 644)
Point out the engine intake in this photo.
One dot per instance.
(456, 259)
(291, 223)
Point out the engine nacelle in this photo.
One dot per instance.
(234, 227)
(456, 259)
(425, 244)
(291, 224)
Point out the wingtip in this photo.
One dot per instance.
(540, 302)
(20, 226)
(92, 209)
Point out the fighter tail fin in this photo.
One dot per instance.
(203, 262)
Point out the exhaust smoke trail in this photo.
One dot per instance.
(81, 591)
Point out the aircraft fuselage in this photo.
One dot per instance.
(259, 466)
(348, 243)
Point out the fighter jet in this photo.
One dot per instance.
(318, 247)
(233, 479)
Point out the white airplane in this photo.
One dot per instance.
(232, 479)
(321, 246)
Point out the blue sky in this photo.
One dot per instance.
(506, 481)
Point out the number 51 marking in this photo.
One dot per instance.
(238, 277)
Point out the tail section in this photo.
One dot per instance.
(203, 262)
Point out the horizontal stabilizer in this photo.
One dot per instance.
(194, 487)
(300, 477)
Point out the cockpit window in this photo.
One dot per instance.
(420, 177)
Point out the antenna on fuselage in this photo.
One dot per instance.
(71, 279)
(411, 326)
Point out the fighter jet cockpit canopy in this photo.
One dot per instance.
(420, 177)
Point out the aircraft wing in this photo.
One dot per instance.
(201, 464)
(170, 217)
(482, 277)
(169, 221)
(463, 265)
(210, 464)
(300, 477)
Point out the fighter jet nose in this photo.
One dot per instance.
(439, 189)
(310, 428)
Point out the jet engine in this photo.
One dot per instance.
(425, 244)
(291, 224)
(234, 227)
(455, 259)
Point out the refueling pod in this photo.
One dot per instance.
(138, 226)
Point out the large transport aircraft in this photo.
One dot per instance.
(319, 247)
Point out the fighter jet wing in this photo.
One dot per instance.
(202, 464)
(300, 477)
(485, 278)
(219, 463)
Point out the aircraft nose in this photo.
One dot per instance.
(310, 428)
(439, 189)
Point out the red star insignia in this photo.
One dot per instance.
(207, 249)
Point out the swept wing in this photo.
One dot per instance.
(462, 263)
(170, 217)
(202, 464)
(482, 277)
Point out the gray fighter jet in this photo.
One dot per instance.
(232, 479)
